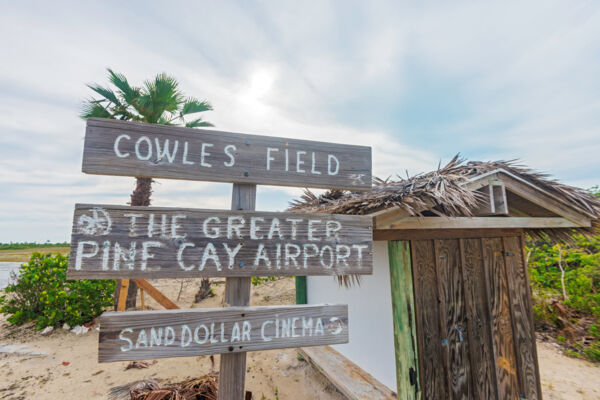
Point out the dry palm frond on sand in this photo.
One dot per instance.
(203, 388)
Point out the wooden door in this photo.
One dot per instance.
(474, 321)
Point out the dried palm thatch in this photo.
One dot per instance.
(203, 388)
(443, 192)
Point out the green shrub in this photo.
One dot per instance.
(43, 294)
(593, 352)
(259, 280)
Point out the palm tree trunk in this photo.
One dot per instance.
(140, 197)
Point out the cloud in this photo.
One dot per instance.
(417, 82)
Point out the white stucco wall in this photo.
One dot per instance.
(370, 320)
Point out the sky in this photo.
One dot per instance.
(417, 81)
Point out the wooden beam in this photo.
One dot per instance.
(122, 300)
(478, 223)
(232, 370)
(352, 381)
(403, 311)
(544, 200)
(156, 294)
(420, 234)
(493, 201)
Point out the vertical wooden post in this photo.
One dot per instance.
(122, 299)
(232, 375)
(405, 336)
(301, 290)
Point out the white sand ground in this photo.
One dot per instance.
(32, 366)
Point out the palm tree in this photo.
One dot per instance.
(158, 101)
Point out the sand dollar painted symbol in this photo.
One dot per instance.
(335, 326)
(357, 179)
(98, 223)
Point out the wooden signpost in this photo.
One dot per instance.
(158, 151)
(154, 242)
(134, 335)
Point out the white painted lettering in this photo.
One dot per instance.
(294, 221)
(232, 254)
(215, 231)
(254, 228)
(186, 331)
(229, 152)
(330, 169)
(261, 254)
(291, 256)
(269, 158)
(165, 152)
(339, 257)
(263, 327)
(156, 336)
(332, 228)
(81, 255)
(180, 256)
(146, 255)
(231, 226)
(299, 162)
(185, 154)
(308, 255)
(275, 227)
(210, 253)
(138, 154)
(204, 154)
(197, 336)
(142, 339)
(132, 218)
(126, 339)
(116, 146)
(175, 226)
(312, 230)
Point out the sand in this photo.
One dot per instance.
(64, 365)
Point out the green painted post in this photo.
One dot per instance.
(300, 290)
(403, 308)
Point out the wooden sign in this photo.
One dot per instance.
(183, 333)
(146, 150)
(154, 242)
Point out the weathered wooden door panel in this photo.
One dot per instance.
(522, 319)
(480, 341)
(453, 321)
(502, 332)
(433, 381)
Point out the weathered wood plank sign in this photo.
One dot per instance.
(155, 242)
(152, 242)
(146, 150)
(184, 333)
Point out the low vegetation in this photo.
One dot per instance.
(42, 293)
(566, 292)
(31, 245)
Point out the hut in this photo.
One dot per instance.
(447, 312)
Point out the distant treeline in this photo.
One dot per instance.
(30, 245)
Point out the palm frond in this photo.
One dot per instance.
(197, 123)
(107, 93)
(160, 95)
(93, 109)
(128, 92)
(192, 106)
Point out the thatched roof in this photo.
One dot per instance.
(443, 192)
